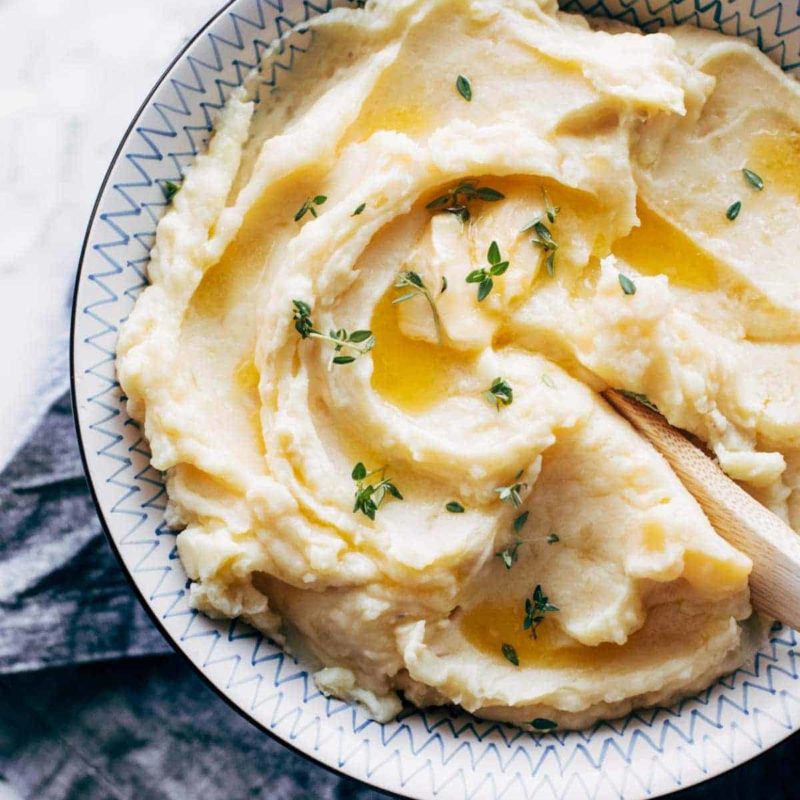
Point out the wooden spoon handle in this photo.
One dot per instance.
(773, 546)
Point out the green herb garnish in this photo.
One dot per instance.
(640, 398)
(444, 285)
(310, 207)
(483, 277)
(499, 393)
(510, 554)
(464, 87)
(510, 654)
(753, 179)
(359, 210)
(171, 189)
(553, 538)
(543, 238)
(358, 342)
(457, 199)
(416, 287)
(733, 210)
(628, 286)
(454, 507)
(510, 494)
(542, 724)
(536, 606)
(551, 211)
(548, 381)
(370, 496)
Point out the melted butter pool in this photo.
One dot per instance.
(412, 374)
(658, 248)
(489, 625)
(775, 156)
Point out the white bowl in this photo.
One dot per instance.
(423, 754)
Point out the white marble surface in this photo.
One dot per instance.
(72, 74)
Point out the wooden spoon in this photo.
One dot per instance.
(771, 544)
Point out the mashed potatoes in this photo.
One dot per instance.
(382, 307)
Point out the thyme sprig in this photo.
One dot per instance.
(499, 393)
(358, 342)
(510, 554)
(369, 496)
(417, 288)
(536, 607)
(456, 201)
(484, 277)
(464, 87)
(511, 493)
(543, 237)
(310, 207)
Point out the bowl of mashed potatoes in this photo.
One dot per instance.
(341, 404)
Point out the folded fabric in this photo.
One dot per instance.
(63, 597)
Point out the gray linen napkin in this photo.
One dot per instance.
(63, 597)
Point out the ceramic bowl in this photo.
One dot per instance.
(422, 754)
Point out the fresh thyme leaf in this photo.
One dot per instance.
(550, 210)
(628, 286)
(357, 342)
(488, 194)
(171, 189)
(444, 285)
(548, 381)
(359, 210)
(520, 521)
(439, 202)
(510, 554)
(302, 318)
(368, 496)
(499, 393)
(464, 87)
(511, 493)
(536, 606)
(483, 277)
(553, 538)
(542, 724)
(454, 507)
(733, 210)
(753, 179)
(457, 199)
(308, 207)
(413, 281)
(641, 398)
(510, 654)
(359, 472)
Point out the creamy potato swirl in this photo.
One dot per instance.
(628, 149)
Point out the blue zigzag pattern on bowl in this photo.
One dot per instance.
(423, 753)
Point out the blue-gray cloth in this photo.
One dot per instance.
(94, 705)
